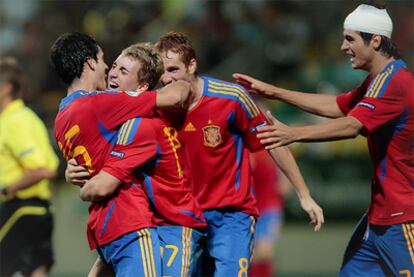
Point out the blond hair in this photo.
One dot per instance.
(151, 62)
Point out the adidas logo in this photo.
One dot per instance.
(190, 128)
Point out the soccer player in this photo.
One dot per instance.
(382, 109)
(27, 163)
(215, 138)
(145, 151)
(86, 126)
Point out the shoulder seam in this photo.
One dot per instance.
(235, 92)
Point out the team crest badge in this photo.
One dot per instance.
(212, 135)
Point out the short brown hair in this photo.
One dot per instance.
(177, 43)
(11, 72)
(151, 62)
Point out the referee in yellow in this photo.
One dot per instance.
(27, 163)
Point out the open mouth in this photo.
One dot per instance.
(113, 85)
(351, 57)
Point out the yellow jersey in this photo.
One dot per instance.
(24, 144)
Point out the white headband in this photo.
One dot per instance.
(369, 19)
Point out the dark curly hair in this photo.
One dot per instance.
(69, 53)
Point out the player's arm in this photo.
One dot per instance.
(114, 108)
(99, 187)
(279, 134)
(283, 185)
(29, 178)
(319, 104)
(283, 158)
(30, 156)
(131, 151)
(174, 95)
(286, 162)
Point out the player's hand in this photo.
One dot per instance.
(314, 211)
(253, 85)
(76, 174)
(275, 135)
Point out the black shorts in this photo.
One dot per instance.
(25, 236)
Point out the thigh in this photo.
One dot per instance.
(361, 256)
(134, 254)
(395, 244)
(230, 241)
(180, 249)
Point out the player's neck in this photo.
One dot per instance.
(197, 91)
(379, 63)
(4, 102)
(81, 84)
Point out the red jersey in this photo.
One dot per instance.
(385, 106)
(265, 176)
(216, 137)
(145, 147)
(86, 129)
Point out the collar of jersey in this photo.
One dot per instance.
(70, 98)
(397, 65)
(14, 105)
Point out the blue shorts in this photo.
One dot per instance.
(229, 244)
(380, 250)
(268, 226)
(134, 254)
(180, 249)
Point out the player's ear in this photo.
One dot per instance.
(376, 41)
(142, 87)
(192, 66)
(90, 63)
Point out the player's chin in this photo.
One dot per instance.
(354, 65)
(357, 64)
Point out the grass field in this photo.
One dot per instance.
(300, 252)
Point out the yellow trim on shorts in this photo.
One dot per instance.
(186, 237)
(29, 210)
(147, 253)
(409, 238)
(252, 229)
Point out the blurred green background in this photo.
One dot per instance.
(291, 43)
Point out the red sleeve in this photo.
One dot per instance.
(248, 118)
(373, 112)
(347, 101)
(115, 107)
(137, 143)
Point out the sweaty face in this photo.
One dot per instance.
(174, 68)
(360, 54)
(101, 69)
(123, 74)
